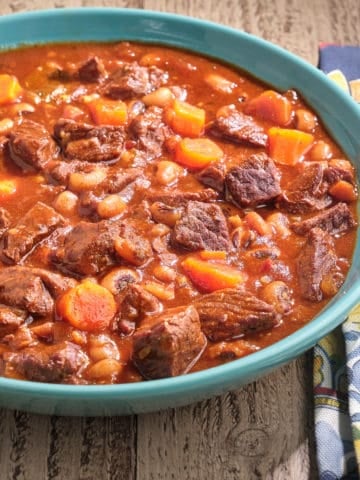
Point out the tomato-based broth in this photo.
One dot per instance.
(160, 213)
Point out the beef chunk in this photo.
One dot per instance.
(168, 344)
(116, 181)
(213, 176)
(56, 284)
(202, 226)
(232, 313)
(180, 199)
(334, 174)
(133, 80)
(239, 128)
(136, 302)
(59, 172)
(33, 227)
(30, 146)
(316, 260)
(81, 141)
(92, 70)
(254, 182)
(11, 319)
(149, 130)
(22, 337)
(132, 240)
(21, 288)
(307, 193)
(88, 248)
(49, 363)
(335, 220)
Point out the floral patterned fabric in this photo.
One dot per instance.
(337, 356)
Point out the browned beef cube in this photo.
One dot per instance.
(202, 226)
(149, 130)
(334, 174)
(56, 283)
(255, 181)
(88, 248)
(33, 227)
(133, 80)
(316, 260)
(60, 171)
(137, 302)
(92, 70)
(233, 313)
(335, 220)
(239, 128)
(88, 143)
(180, 199)
(49, 363)
(307, 193)
(116, 182)
(168, 344)
(136, 242)
(10, 319)
(30, 146)
(21, 288)
(213, 176)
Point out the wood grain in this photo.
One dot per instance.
(262, 431)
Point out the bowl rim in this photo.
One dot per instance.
(247, 367)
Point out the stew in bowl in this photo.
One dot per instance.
(106, 242)
(161, 213)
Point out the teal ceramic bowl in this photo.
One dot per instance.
(265, 61)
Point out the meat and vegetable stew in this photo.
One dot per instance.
(160, 213)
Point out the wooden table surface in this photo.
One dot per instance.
(262, 431)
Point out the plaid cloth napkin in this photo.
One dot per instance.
(337, 356)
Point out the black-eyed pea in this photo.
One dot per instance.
(159, 230)
(105, 369)
(82, 181)
(161, 97)
(168, 172)
(165, 214)
(118, 279)
(279, 223)
(220, 83)
(101, 347)
(305, 120)
(320, 151)
(164, 273)
(6, 124)
(110, 206)
(150, 59)
(66, 202)
(279, 295)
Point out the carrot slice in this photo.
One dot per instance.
(108, 112)
(288, 146)
(343, 191)
(270, 106)
(210, 277)
(197, 152)
(88, 306)
(212, 254)
(185, 119)
(10, 88)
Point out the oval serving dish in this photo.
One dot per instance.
(268, 63)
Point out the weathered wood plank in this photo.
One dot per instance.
(260, 431)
